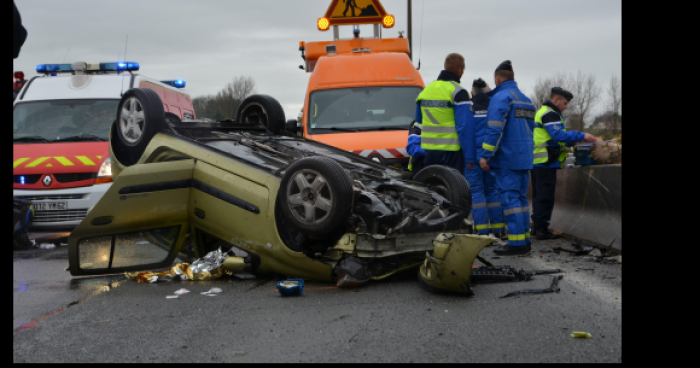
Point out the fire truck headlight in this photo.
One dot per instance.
(104, 175)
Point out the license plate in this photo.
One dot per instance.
(50, 206)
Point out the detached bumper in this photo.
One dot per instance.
(79, 201)
(449, 269)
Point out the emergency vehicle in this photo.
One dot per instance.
(17, 84)
(362, 91)
(61, 126)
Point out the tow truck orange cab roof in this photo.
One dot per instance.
(379, 62)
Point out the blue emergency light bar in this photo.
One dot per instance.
(175, 83)
(48, 68)
(119, 66)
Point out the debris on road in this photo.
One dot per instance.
(291, 287)
(182, 292)
(553, 288)
(581, 252)
(206, 268)
(581, 335)
(507, 273)
(172, 297)
(212, 292)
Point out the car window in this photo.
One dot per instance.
(132, 249)
(362, 108)
(64, 118)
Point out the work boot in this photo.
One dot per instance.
(507, 250)
(545, 234)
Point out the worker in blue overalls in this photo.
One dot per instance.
(508, 149)
(486, 201)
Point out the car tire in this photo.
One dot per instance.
(315, 195)
(262, 110)
(449, 183)
(139, 118)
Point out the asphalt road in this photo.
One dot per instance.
(57, 318)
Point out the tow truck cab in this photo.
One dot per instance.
(361, 96)
(61, 124)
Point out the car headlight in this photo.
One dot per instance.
(104, 175)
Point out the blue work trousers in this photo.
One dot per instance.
(486, 201)
(513, 185)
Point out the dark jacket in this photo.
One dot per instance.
(19, 34)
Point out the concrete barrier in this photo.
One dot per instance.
(588, 204)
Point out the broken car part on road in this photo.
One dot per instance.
(553, 288)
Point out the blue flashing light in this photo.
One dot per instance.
(54, 74)
(179, 83)
(46, 68)
(120, 66)
(21, 179)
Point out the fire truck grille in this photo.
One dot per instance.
(67, 178)
(59, 216)
(28, 179)
(53, 197)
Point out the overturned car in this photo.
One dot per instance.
(280, 203)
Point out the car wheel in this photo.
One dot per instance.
(449, 183)
(262, 110)
(315, 195)
(139, 118)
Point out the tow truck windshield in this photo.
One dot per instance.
(362, 109)
(63, 120)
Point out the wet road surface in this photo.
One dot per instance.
(110, 319)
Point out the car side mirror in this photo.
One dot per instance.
(291, 126)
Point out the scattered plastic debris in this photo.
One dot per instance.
(182, 292)
(581, 335)
(212, 292)
(172, 297)
(47, 245)
(203, 269)
(290, 287)
(553, 288)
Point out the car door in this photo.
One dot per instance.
(140, 223)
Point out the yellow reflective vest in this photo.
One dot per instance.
(436, 102)
(542, 139)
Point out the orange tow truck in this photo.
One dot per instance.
(362, 91)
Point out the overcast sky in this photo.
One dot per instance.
(208, 42)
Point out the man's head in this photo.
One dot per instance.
(504, 72)
(560, 98)
(455, 63)
(480, 87)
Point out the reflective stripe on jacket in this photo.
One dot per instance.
(437, 102)
(508, 140)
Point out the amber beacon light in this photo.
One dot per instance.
(324, 24)
(388, 21)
